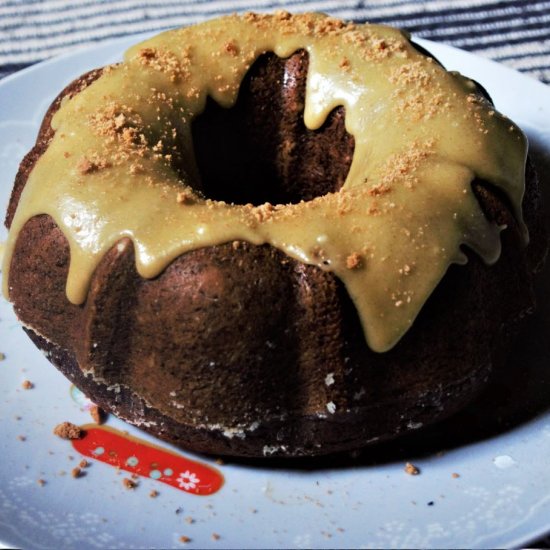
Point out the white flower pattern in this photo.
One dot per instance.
(188, 480)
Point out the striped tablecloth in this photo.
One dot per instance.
(513, 32)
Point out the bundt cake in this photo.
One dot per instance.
(274, 235)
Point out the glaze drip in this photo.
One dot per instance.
(121, 162)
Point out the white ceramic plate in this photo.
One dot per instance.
(500, 499)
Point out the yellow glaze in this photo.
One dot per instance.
(391, 232)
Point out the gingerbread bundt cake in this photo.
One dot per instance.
(274, 235)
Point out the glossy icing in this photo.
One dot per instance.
(121, 162)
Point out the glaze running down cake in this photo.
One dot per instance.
(275, 235)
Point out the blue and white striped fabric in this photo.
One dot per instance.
(513, 32)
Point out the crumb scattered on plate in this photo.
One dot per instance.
(67, 430)
(411, 469)
(129, 483)
(98, 415)
(77, 472)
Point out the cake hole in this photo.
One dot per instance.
(260, 150)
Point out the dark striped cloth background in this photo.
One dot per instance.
(513, 32)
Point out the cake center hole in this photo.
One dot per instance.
(260, 150)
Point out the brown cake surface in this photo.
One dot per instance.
(241, 349)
